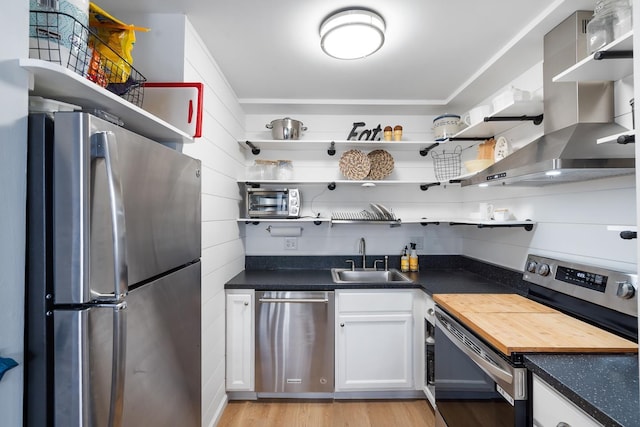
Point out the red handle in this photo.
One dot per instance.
(190, 111)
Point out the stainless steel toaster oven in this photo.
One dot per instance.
(273, 203)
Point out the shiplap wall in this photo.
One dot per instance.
(572, 219)
(172, 37)
(222, 248)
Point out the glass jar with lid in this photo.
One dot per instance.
(611, 19)
(285, 169)
(263, 169)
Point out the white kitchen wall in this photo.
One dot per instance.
(577, 221)
(572, 220)
(222, 249)
(13, 163)
(221, 156)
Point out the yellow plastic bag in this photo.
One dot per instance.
(117, 43)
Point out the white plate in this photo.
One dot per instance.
(502, 149)
(382, 211)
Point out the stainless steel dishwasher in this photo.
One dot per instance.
(294, 343)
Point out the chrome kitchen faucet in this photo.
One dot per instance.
(363, 251)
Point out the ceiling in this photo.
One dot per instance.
(437, 54)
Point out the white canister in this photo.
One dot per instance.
(445, 126)
(62, 36)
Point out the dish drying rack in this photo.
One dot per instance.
(365, 216)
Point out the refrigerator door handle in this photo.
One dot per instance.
(118, 362)
(104, 146)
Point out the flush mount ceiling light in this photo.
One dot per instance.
(352, 33)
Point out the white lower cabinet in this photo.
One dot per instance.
(551, 409)
(375, 337)
(240, 340)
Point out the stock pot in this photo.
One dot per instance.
(286, 128)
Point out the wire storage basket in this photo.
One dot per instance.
(60, 38)
(447, 165)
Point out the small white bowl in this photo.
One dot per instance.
(477, 165)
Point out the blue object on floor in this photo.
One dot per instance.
(6, 364)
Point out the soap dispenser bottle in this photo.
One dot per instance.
(413, 258)
(404, 261)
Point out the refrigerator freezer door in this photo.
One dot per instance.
(163, 375)
(89, 366)
(162, 359)
(161, 205)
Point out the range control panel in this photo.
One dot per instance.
(586, 279)
(608, 288)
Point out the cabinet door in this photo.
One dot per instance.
(240, 331)
(374, 352)
(551, 409)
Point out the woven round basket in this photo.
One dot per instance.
(381, 164)
(354, 164)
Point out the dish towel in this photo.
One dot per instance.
(6, 364)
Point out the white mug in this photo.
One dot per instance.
(476, 115)
(486, 211)
(501, 214)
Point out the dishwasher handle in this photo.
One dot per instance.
(294, 300)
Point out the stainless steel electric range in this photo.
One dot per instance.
(481, 381)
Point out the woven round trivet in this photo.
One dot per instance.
(354, 164)
(381, 164)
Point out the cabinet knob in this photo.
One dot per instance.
(342, 325)
(246, 303)
(563, 424)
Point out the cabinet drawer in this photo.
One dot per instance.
(374, 301)
(551, 409)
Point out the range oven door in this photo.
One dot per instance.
(475, 386)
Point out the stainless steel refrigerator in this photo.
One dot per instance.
(113, 278)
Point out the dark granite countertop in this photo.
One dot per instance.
(604, 386)
(431, 282)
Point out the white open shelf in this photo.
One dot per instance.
(619, 228)
(477, 223)
(442, 221)
(287, 220)
(314, 144)
(488, 129)
(613, 139)
(51, 80)
(590, 69)
(354, 183)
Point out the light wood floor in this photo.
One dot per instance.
(349, 413)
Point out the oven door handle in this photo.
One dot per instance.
(489, 368)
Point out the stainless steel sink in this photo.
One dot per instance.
(345, 275)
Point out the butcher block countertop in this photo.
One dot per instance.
(515, 324)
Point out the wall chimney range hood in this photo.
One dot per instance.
(576, 114)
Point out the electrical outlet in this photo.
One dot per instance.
(291, 243)
(419, 241)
